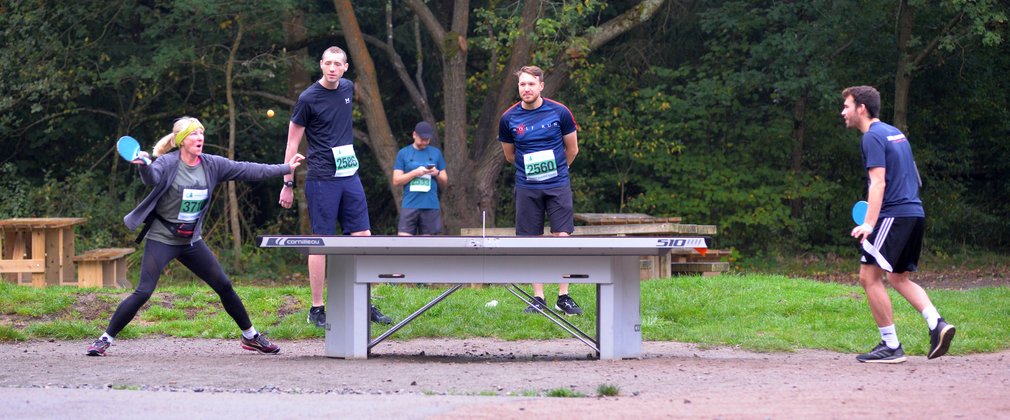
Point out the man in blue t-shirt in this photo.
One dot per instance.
(891, 235)
(416, 167)
(333, 189)
(539, 136)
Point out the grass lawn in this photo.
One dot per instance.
(757, 312)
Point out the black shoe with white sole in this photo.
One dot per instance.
(940, 338)
(883, 354)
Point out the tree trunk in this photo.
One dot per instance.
(799, 138)
(903, 73)
(380, 135)
(233, 212)
(474, 169)
(298, 80)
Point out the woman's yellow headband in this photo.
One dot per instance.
(180, 136)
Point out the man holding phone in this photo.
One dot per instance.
(420, 169)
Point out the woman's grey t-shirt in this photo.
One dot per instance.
(184, 202)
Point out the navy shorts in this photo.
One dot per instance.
(895, 244)
(337, 199)
(531, 205)
(420, 221)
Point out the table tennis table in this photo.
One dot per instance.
(353, 263)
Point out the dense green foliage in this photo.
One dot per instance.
(722, 112)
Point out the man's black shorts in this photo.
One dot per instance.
(531, 205)
(895, 244)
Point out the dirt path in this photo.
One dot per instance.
(208, 378)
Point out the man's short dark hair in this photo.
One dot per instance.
(864, 95)
(532, 70)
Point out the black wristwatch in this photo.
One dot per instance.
(289, 184)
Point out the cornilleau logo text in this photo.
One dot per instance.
(681, 242)
(294, 242)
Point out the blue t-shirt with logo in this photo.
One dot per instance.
(537, 134)
(414, 196)
(326, 116)
(884, 146)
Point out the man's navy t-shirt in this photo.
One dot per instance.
(884, 146)
(538, 137)
(326, 116)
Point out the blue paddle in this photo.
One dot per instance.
(859, 212)
(129, 149)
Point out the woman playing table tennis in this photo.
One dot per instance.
(173, 214)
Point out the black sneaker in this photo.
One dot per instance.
(567, 305)
(377, 317)
(883, 354)
(98, 348)
(317, 316)
(539, 302)
(260, 343)
(939, 339)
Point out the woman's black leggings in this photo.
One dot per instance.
(198, 259)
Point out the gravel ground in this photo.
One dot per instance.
(485, 378)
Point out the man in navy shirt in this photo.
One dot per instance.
(420, 169)
(332, 187)
(891, 235)
(539, 136)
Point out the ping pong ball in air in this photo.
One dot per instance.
(270, 113)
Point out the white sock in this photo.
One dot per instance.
(250, 333)
(889, 336)
(931, 315)
(107, 337)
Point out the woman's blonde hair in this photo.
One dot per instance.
(168, 142)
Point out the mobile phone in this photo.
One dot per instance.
(430, 166)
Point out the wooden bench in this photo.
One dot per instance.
(689, 261)
(104, 267)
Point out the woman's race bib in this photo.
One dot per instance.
(540, 166)
(421, 184)
(193, 201)
(345, 160)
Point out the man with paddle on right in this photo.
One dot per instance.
(891, 234)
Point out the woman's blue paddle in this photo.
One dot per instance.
(129, 149)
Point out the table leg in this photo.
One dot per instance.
(620, 314)
(5, 254)
(346, 309)
(54, 268)
(14, 248)
(39, 253)
(67, 275)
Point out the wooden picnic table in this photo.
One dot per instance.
(622, 218)
(624, 224)
(38, 251)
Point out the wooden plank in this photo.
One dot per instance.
(89, 274)
(119, 279)
(622, 218)
(22, 266)
(684, 251)
(695, 267)
(6, 251)
(103, 254)
(53, 268)
(41, 222)
(39, 252)
(67, 276)
(609, 230)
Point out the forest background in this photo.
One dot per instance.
(719, 112)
